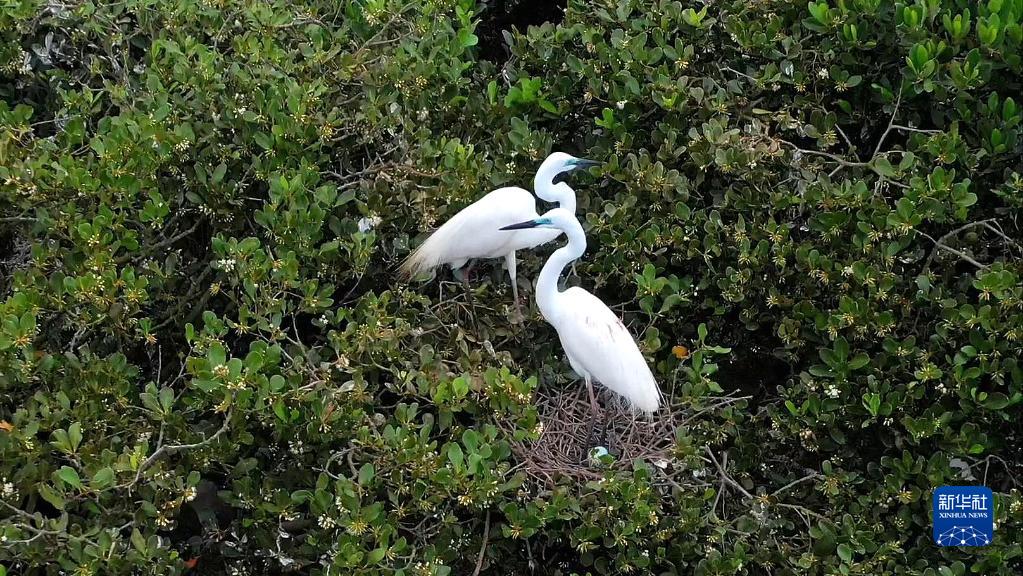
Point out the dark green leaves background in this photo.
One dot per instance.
(206, 362)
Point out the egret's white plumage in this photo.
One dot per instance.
(599, 347)
(474, 232)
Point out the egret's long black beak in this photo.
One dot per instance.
(577, 164)
(521, 225)
(583, 163)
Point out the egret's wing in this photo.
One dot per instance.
(475, 231)
(598, 342)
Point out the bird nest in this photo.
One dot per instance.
(564, 446)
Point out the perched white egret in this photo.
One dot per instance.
(599, 347)
(475, 231)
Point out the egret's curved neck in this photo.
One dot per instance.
(547, 284)
(562, 193)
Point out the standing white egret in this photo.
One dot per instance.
(474, 232)
(599, 347)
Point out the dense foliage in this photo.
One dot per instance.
(206, 362)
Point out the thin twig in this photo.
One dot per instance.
(852, 149)
(170, 449)
(483, 547)
(736, 72)
(914, 130)
(987, 224)
(940, 243)
(724, 474)
(158, 245)
(811, 476)
(891, 122)
(828, 155)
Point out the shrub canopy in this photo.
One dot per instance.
(808, 213)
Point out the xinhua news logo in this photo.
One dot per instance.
(963, 516)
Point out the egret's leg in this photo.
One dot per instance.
(509, 261)
(468, 294)
(593, 416)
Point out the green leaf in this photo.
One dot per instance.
(455, 455)
(845, 552)
(263, 140)
(218, 173)
(882, 166)
(366, 474)
(75, 436)
(376, 555)
(51, 496)
(859, 361)
(138, 540)
(69, 476)
(460, 386)
(102, 478)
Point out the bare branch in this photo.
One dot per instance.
(171, 449)
(812, 476)
(940, 243)
(914, 130)
(724, 475)
(483, 547)
(158, 245)
(841, 161)
(891, 122)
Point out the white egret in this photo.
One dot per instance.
(474, 232)
(599, 347)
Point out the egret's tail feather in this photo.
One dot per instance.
(416, 263)
(435, 251)
(645, 397)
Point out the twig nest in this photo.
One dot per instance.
(621, 436)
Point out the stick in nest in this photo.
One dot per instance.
(565, 415)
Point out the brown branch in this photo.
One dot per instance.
(914, 130)
(157, 246)
(483, 547)
(724, 475)
(940, 243)
(891, 122)
(812, 476)
(987, 224)
(170, 449)
(828, 155)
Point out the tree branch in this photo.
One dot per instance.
(828, 155)
(483, 547)
(724, 475)
(891, 122)
(940, 243)
(170, 449)
(812, 476)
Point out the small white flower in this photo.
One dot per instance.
(8, 490)
(822, 73)
(621, 104)
(367, 224)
